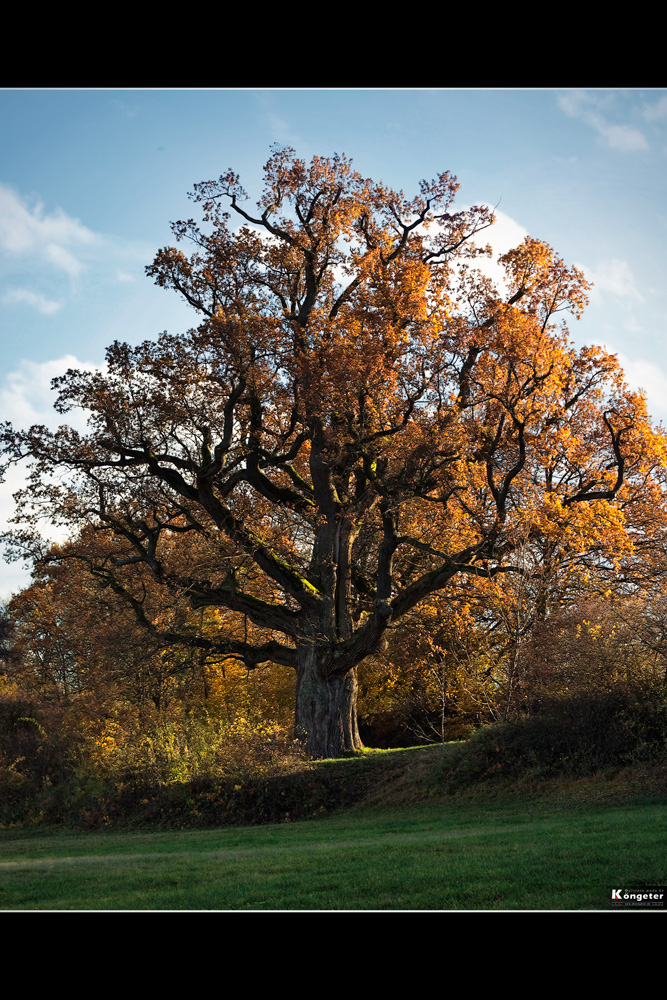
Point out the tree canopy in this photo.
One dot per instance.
(359, 418)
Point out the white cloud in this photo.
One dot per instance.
(62, 259)
(503, 235)
(16, 575)
(44, 254)
(623, 137)
(29, 231)
(13, 580)
(26, 397)
(573, 102)
(646, 375)
(658, 109)
(592, 108)
(616, 277)
(39, 302)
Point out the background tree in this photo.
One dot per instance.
(358, 419)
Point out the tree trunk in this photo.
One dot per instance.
(326, 707)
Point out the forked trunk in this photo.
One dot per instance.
(326, 707)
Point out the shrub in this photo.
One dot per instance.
(573, 736)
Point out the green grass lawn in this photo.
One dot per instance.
(450, 856)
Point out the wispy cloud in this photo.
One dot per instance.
(654, 110)
(616, 277)
(278, 127)
(23, 295)
(29, 231)
(125, 109)
(44, 252)
(595, 110)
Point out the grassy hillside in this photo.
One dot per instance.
(404, 843)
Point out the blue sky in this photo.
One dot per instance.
(90, 179)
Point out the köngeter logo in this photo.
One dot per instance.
(640, 896)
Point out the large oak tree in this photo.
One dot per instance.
(359, 417)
